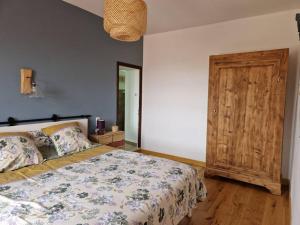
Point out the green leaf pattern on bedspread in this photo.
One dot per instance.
(117, 188)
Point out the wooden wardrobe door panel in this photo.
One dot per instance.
(245, 118)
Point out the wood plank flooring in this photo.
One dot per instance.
(236, 203)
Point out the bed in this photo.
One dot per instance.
(100, 186)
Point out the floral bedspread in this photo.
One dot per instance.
(116, 188)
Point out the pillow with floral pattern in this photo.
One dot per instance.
(40, 139)
(17, 150)
(69, 140)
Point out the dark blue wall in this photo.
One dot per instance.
(73, 59)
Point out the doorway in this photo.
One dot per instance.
(129, 103)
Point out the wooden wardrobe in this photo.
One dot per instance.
(245, 116)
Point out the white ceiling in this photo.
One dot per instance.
(167, 15)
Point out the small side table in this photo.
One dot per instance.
(113, 139)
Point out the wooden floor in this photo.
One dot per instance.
(235, 203)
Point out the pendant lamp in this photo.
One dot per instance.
(125, 20)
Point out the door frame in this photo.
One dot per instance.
(140, 68)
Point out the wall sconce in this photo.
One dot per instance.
(26, 81)
(28, 86)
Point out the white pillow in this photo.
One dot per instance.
(40, 139)
(17, 150)
(67, 138)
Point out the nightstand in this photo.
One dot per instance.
(113, 139)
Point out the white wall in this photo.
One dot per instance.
(131, 105)
(295, 182)
(175, 83)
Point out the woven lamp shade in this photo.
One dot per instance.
(125, 20)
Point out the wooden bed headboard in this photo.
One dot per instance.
(38, 126)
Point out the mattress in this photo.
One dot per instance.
(101, 186)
